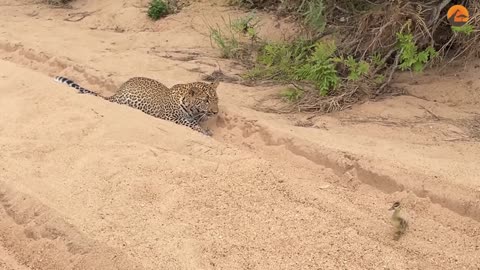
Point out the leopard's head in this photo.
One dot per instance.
(201, 99)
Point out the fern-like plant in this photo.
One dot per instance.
(314, 15)
(410, 58)
(465, 29)
(281, 60)
(320, 68)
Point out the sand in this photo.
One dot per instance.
(87, 184)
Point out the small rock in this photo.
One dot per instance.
(325, 186)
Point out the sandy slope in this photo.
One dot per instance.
(86, 184)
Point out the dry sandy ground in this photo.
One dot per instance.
(86, 184)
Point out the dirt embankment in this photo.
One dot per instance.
(86, 184)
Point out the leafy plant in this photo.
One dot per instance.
(314, 16)
(281, 60)
(157, 9)
(377, 60)
(466, 29)
(410, 58)
(357, 69)
(300, 61)
(284, 54)
(246, 25)
(379, 79)
(320, 68)
(292, 94)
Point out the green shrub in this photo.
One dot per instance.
(300, 61)
(292, 94)
(158, 9)
(314, 16)
(410, 58)
(320, 68)
(465, 29)
(281, 60)
(246, 25)
(356, 69)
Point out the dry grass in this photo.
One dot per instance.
(371, 29)
(342, 98)
(374, 30)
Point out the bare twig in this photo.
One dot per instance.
(82, 15)
(390, 76)
(430, 112)
(437, 10)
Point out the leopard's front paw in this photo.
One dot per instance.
(207, 132)
(204, 131)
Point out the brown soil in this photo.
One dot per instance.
(86, 184)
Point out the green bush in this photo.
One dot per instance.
(292, 94)
(314, 16)
(320, 68)
(299, 61)
(158, 9)
(246, 25)
(410, 58)
(356, 69)
(465, 29)
(280, 60)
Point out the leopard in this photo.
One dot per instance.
(187, 104)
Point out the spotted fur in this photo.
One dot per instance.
(185, 104)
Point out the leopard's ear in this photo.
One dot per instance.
(215, 83)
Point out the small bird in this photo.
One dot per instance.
(399, 222)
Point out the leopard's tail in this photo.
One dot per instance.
(72, 84)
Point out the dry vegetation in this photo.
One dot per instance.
(347, 52)
(373, 40)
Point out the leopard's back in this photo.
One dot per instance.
(148, 95)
